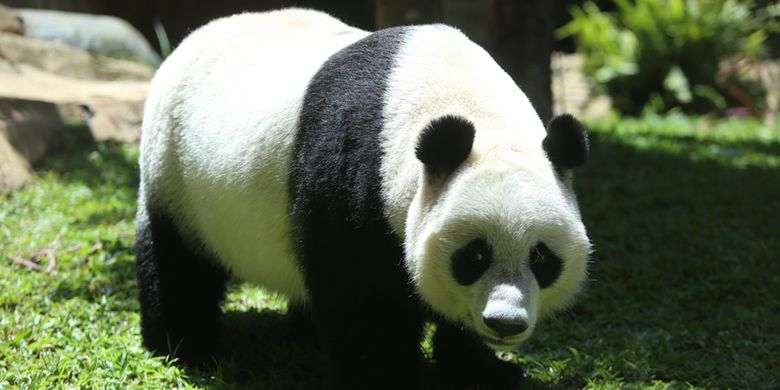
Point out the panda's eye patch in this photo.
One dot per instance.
(545, 265)
(471, 261)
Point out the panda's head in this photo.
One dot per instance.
(494, 236)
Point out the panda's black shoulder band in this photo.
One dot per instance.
(445, 143)
(566, 143)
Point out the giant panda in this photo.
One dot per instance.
(379, 181)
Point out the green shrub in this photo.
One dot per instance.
(661, 54)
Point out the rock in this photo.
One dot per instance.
(63, 60)
(29, 126)
(10, 21)
(112, 109)
(115, 120)
(15, 171)
(28, 130)
(24, 81)
(50, 92)
(99, 34)
(572, 91)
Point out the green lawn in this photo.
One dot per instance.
(683, 290)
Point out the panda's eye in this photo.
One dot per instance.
(545, 265)
(471, 261)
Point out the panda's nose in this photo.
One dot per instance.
(506, 327)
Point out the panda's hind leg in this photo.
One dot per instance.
(180, 291)
(463, 361)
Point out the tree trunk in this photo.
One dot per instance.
(522, 44)
(400, 12)
(473, 17)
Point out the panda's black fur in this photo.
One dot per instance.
(444, 144)
(180, 290)
(360, 295)
(566, 143)
(368, 315)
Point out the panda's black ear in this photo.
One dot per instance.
(445, 143)
(566, 143)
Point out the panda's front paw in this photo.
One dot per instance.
(502, 375)
(491, 373)
(463, 361)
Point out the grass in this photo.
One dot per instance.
(682, 294)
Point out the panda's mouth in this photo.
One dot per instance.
(499, 344)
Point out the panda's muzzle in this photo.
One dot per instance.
(506, 315)
(505, 333)
(506, 326)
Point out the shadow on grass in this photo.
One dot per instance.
(684, 278)
(113, 275)
(109, 172)
(269, 350)
(261, 351)
(80, 159)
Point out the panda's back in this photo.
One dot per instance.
(219, 128)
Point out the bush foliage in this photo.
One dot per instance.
(661, 54)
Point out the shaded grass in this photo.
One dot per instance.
(683, 284)
(684, 278)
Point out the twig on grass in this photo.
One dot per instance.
(25, 263)
(73, 249)
(51, 265)
(94, 249)
(98, 246)
(51, 258)
(51, 268)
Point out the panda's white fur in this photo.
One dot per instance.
(218, 141)
(223, 172)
